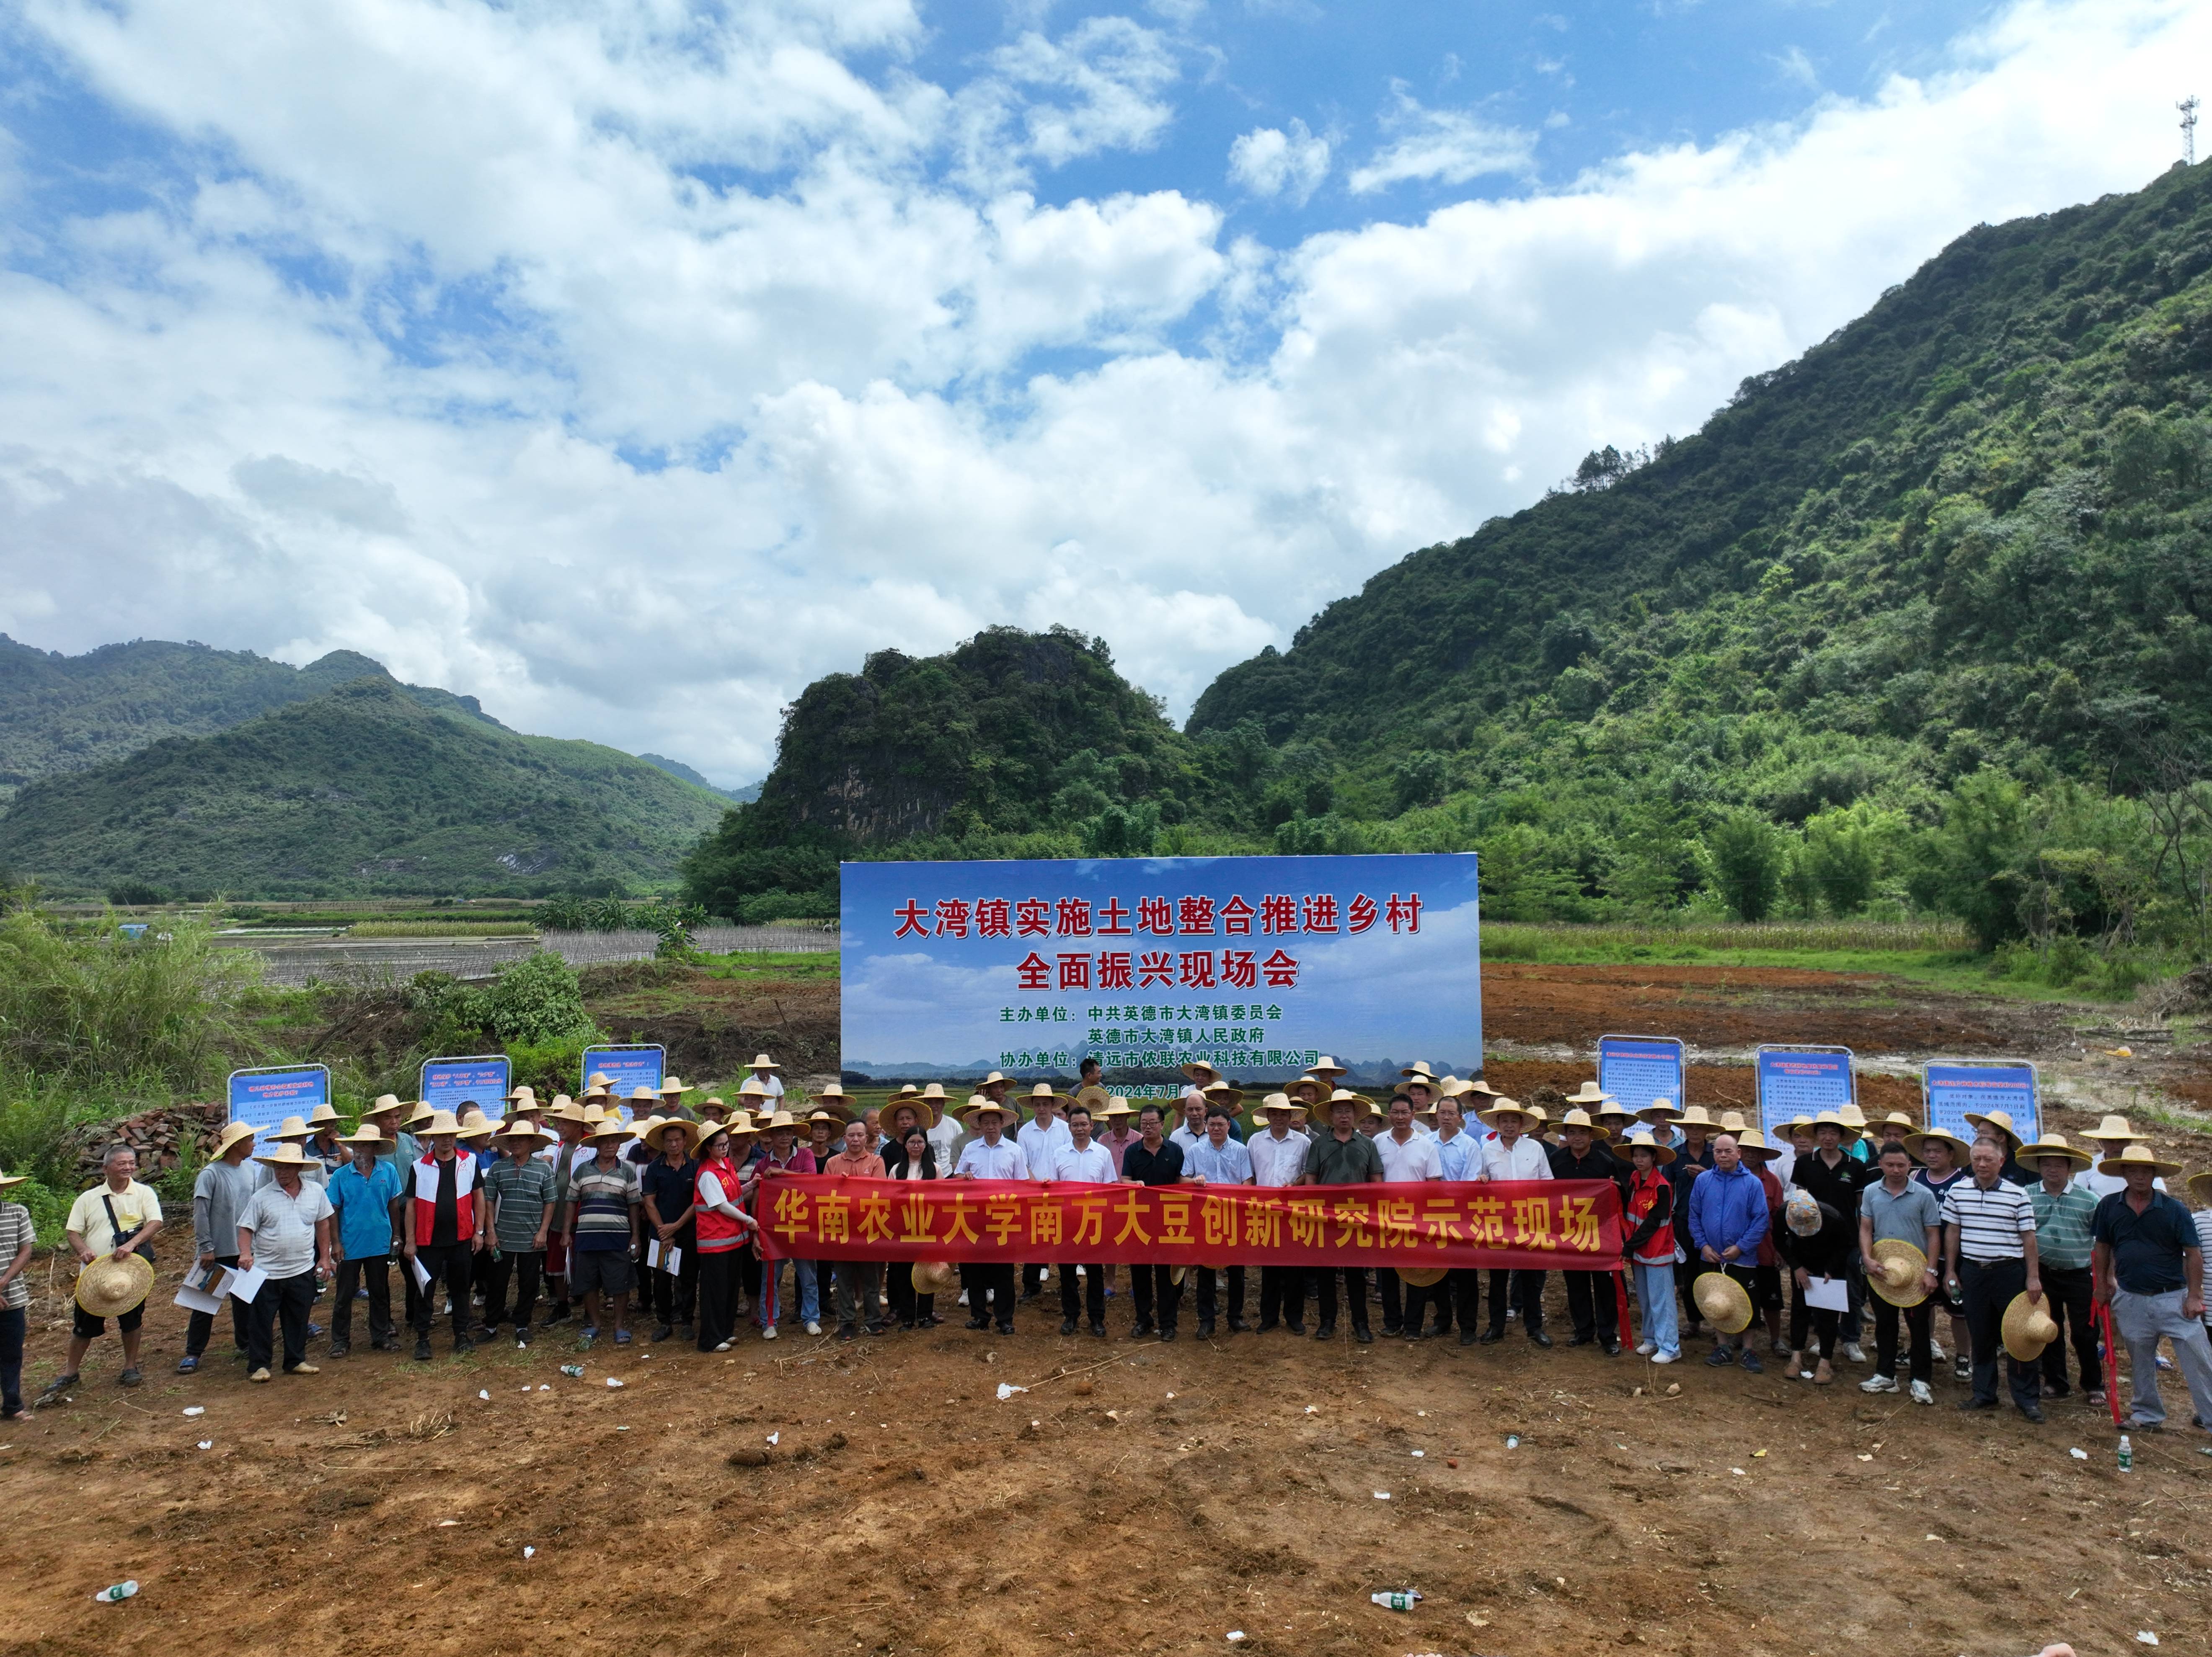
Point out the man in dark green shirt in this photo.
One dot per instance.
(1344, 1155)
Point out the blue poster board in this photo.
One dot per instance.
(452, 1083)
(261, 1098)
(1802, 1082)
(625, 1068)
(1255, 965)
(1636, 1070)
(1951, 1087)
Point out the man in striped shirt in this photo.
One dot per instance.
(2064, 1214)
(1989, 1248)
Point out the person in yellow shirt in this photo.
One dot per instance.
(118, 1217)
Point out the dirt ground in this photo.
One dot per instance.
(1140, 1497)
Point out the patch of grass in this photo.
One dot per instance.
(769, 963)
(441, 929)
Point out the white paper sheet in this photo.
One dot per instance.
(1829, 1293)
(422, 1273)
(198, 1300)
(244, 1286)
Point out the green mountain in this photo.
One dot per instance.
(1953, 560)
(677, 768)
(71, 713)
(364, 789)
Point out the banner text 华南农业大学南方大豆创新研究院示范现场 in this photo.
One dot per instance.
(1535, 1224)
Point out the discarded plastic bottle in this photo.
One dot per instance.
(120, 1591)
(573, 1370)
(1403, 1600)
(2127, 1456)
(1512, 1441)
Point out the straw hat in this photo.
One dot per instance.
(1090, 1095)
(441, 1122)
(927, 1111)
(2002, 1121)
(1201, 1072)
(642, 1095)
(1421, 1276)
(521, 1127)
(1117, 1107)
(995, 1079)
(294, 1128)
(737, 1124)
(323, 1115)
(762, 1061)
(7, 1180)
(1917, 1143)
(753, 1088)
(1896, 1271)
(521, 1091)
(1326, 1068)
(2028, 1327)
(780, 1119)
(1282, 1102)
(367, 1134)
(2138, 1156)
(1360, 1103)
(109, 1287)
(598, 1082)
(1044, 1093)
(833, 1089)
(1798, 1124)
(838, 1120)
(1419, 1070)
(2114, 1128)
(478, 1126)
(608, 1127)
(418, 1113)
(1696, 1116)
(1309, 1087)
(2200, 1187)
(1589, 1094)
(1664, 1154)
(1659, 1111)
(1898, 1118)
(935, 1277)
(713, 1101)
(230, 1136)
(1724, 1303)
(566, 1109)
(977, 1105)
(1220, 1093)
(288, 1155)
(1532, 1115)
(1732, 1121)
(1835, 1119)
(1578, 1117)
(676, 1085)
(1753, 1144)
(597, 1094)
(385, 1102)
(2054, 1145)
(836, 1107)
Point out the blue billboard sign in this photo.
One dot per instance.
(1639, 1070)
(262, 1098)
(1802, 1082)
(625, 1067)
(1953, 1087)
(1258, 966)
(454, 1083)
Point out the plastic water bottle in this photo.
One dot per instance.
(2127, 1456)
(1403, 1600)
(120, 1591)
(1512, 1441)
(575, 1371)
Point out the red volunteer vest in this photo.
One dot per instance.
(426, 1198)
(718, 1232)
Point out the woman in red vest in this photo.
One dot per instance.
(722, 1227)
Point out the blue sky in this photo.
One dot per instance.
(728, 343)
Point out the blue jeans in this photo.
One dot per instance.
(770, 1306)
(1655, 1299)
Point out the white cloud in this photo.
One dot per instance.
(654, 366)
(1450, 146)
(1269, 161)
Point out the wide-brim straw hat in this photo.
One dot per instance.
(1896, 1272)
(926, 1111)
(1735, 1121)
(1117, 1107)
(780, 1119)
(675, 1085)
(1045, 1093)
(1664, 1154)
(1753, 1144)
(1578, 1117)
(1852, 1116)
(2002, 1121)
(1696, 1116)
(1421, 1276)
(608, 1127)
(737, 1122)
(1360, 1103)
(108, 1287)
(2200, 1187)
(566, 1109)
(441, 1122)
(978, 1104)
(1589, 1094)
(519, 1091)
(935, 1277)
(2028, 1327)
(598, 1080)
(1835, 1119)
(8, 1180)
(1659, 1111)
(419, 1113)
(1916, 1143)
(288, 1155)
(1898, 1118)
(1090, 1095)
(231, 1134)
(521, 1127)
(1310, 1086)
(384, 1101)
(2054, 1145)
(1723, 1302)
(292, 1127)
(1201, 1072)
(367, 1134)
(753, 1088)
(2138, 1156)
(1278, 1101)
(1419, 1070)
(1326, 1067)
(2114, 1128)
(713, 1101)
(323, 1115)
(1220, 1093)
(762, 1061)
(479, 1126)
(1532, 1115)
(840, 1112)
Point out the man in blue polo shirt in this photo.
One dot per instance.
(365, 1194)
(2150, 1270)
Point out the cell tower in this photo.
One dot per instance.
(2188, 108)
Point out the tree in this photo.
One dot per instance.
(1744, 859)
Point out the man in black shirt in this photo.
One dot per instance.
(1835, 1178)
(1580, 1155)
(1154, 1160)
(1344, 1155)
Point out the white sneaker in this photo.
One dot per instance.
(813, 1327)
(964, 1297)
(1645, 1349)
(1878, 1384)
(1665, 1357)
(768, 1334)
(724, 1347)
(1922, 1393)
(1854, 1353)
(1935, 1353)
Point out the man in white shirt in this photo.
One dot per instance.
(765, 1077)
(1192, 1128)
(1408, 1158)
(1514, 1155)
(2109, 1138)
(991, 1156)
(1458, 1154)
(1041, 1138)
(1218, 1160)
(1083, 1161)
(1278, 1157)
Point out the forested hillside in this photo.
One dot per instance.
(361, 790)
(71, 713)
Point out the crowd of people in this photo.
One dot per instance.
(569, 1211)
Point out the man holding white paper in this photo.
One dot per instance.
(219, 1193)
(285, 1233)
(1816, 1241)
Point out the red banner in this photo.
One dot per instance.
(1533, 1225)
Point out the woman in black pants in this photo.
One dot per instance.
(914, 1159)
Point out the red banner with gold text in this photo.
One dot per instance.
(1532, 1225)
